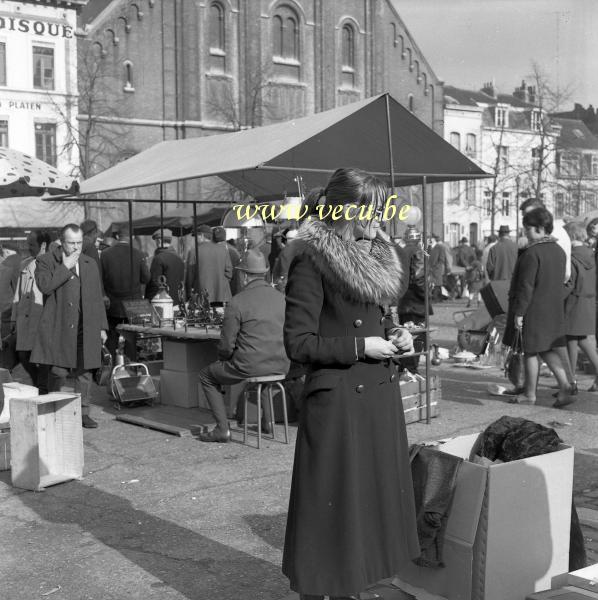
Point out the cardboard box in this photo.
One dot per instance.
(508, 530)
(47, 440)
(188, 355)
(565, 593)
(14, 389)
(586, 578)
(181, 389)
(413, 395)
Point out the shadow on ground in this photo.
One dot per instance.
(184, 560)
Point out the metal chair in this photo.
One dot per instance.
(267, 382)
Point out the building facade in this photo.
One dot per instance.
(184, 69)
(38, 93)
(576, 190)
(506, 135)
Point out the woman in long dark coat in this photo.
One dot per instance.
(536, 306)
(580, 305)
(351, 518)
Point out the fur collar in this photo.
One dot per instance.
(373, 276)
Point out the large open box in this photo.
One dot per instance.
(508, 530)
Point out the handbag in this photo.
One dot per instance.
(515, 361)
(102, 375)
(8, 353)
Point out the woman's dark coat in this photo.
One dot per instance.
(351, 518)
(537, 292)
(580, 305)
(56, 342)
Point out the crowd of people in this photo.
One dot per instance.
(320, 303)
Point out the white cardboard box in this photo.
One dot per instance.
(508, 530)
(586, 578)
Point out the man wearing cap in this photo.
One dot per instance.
(502, 256)
(251, 342)
(215, 268)
(168, 263)
(116, 275)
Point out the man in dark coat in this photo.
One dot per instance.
(502, 256)
(215, 268)
(116, 273)
(440, 265)
(73, 324)
(285, 257)
(251, 342)
(168, 263)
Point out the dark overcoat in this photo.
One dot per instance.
(440, 263)
(168, 263)
(580, 305)
(116, 273)
(538, 294)
(215, 271)
(56, 342)
(501, 260)
(351, 519)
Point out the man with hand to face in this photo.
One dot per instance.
(73, 324)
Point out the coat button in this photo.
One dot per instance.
(393, 376)
(70, 304)
(382, 320)
(357, 323)
(71, 326)
(359, 388)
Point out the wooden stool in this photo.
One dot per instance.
(268, 382)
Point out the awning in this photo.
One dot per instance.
(263, 161)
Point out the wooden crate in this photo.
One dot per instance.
(413, 394)
(4, 450)
(47, 440)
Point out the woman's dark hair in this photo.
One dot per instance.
(590, 225)
(348, 185)
(539, 217)
(41, 237)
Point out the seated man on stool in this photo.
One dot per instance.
(251, 342)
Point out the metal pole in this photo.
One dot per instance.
(426, 302)
(196, 246)
(390, 156)
(517, 210)
(131, 249)
(161, 213)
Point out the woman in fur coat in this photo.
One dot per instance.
(351, 518)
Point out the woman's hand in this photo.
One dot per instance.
(378, 348)
(518, 322)
(402, 340)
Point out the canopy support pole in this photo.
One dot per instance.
(390, 158)
(130, 204)
(196, 245)
(426, 301)
(161, 213)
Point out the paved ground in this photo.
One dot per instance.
(158, 517)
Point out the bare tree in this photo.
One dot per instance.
(95, 135)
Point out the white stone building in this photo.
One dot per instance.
(507, 135)
(38, 87)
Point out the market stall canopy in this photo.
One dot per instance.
(263, 161)
(178, 224)
(24, 175)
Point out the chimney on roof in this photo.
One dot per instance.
(522, 92)
(489, 88)
(531, 94)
